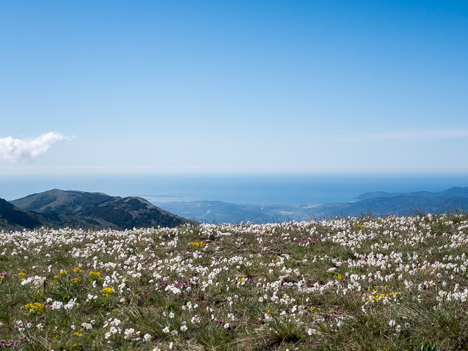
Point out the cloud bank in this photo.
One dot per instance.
(18, 149)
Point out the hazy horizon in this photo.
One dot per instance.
(240, 189)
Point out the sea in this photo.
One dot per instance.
(241, 189)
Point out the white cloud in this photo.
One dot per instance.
(413, 135)
(18, 149)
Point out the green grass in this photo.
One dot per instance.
(396, 283)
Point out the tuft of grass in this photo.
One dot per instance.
(395, 283)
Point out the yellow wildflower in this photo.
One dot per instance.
(35, 307)
(197, 243)
(94, 275)
(107, 291)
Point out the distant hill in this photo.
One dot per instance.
(61, 202)
(94, 210)
(398, 205)
(376, 204)
(222, 212)
(455, 191)
(12, 217)
(58, 208)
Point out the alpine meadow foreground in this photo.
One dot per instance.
(395, 283)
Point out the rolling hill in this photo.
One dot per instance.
(58, 208)
(11, 217)
(376, 203)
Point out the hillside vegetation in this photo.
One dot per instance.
(378, 204)
(78, 209)
(395, 283)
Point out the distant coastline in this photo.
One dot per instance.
(238, 189)
(378, 204)
(58, 208)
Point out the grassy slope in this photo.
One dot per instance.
(397, 283)
(12, 217)
(96, 210)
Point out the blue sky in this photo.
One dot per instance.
(155, 87)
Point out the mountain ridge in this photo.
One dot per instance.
(11, 217)
(59, 208)
(457, 191)
(376, 204)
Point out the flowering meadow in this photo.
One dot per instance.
(395, 283)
